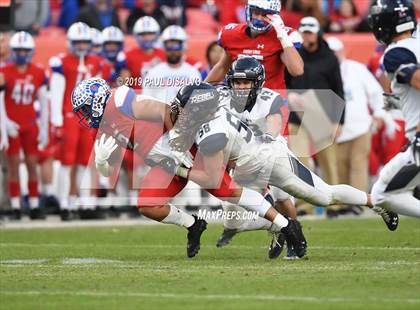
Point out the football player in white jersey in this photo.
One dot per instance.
(393, 23)
(227, 140)
(259, 108)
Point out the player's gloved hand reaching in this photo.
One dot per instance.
(173, 168)
(415, 145)
(104, 149)
(277, 22)
(184, 158)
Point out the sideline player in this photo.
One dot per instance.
(90, 99)
(21, 82)
(136, 62)
(393, 23)
(264, 37)
(76, 142)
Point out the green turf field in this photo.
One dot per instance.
(352, 264)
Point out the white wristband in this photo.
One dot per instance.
(285, 40)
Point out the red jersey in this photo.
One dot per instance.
(139, 63)
(74, 71)
(136, 135)
(21, 91)
(266, 48)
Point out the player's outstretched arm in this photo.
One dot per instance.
(218, 72)
(210, 176)
(4, 139)
(148, 109)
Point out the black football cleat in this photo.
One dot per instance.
(15, 215)
(91, 214)
(37, 214)
(66, 215)
(226, 237)
(295, 237)
(390, 218)
(194, 235)
(276, 245)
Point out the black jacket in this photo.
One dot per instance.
(90, 16)
(321, 71)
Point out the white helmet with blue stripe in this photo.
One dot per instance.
(22, 45)
(265, 7)
(146, 25)
(112, 35)
(77, 33)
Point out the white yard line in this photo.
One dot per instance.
(169, 246)
(340, 299)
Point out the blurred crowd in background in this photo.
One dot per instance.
(334, 15)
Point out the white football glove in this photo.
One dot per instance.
(12, 128)
(277, 22)
(104, 149)
(184, 158)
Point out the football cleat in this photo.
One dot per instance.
(291, 255)
(276, 246)
(390, 218)
(194, 235)
(66, 215)
(295, 237)
(15, 215)
(226, 237)
(91, 214)
(37, 214)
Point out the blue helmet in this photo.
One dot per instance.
(89, 99)
(265, 7)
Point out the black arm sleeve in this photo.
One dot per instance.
(336, 83)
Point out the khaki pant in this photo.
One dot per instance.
(353, 157)
(300, 144)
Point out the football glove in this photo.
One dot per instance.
(104, 149)
(391, 101)
(170, 166)
(278, 25)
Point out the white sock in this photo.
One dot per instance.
(133, 197)
(72, 203)
(64, 185)
(47, 189)
(280, 221)
(254, 201)
(178, 217)
(346, 194)
(15, 202)
(33, 202)
(258, 224)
